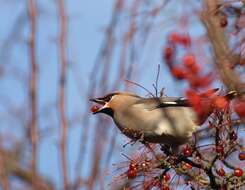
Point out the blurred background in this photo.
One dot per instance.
(54, 56)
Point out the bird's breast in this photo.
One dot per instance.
(159, 125)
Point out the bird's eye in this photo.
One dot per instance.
(108, 97)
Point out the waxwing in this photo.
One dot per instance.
(164, 120)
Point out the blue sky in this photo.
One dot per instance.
(87, 20)
(87, 23)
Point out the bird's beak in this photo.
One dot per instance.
(100, 101)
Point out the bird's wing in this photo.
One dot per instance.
(155, 103)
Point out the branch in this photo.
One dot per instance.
(62, 89)
(13, 168)
(33, 85)
(3, 175)
(223, 56)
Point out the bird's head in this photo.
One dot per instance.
(114, 101)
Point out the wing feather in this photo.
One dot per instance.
(163, 102)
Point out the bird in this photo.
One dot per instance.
(165, 120)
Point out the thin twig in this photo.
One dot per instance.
(155, 86)
(137, 84)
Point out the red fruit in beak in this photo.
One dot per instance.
(94, 109)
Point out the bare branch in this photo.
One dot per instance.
(62, 92)
(32, 11)
(13, 168)
(223, 56)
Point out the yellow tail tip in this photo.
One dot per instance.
(231, 94)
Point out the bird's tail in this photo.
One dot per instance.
(233, 94)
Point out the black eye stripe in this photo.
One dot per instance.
(108, 97)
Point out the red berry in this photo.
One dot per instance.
(194, 81)
(199, 81)
(209, 93)
(238, 172)
(185, 40)
(132, 166)
(174, 37)
(220, 102)
(198, 105)
(221, 172)
(156, 183)
(94, 108)
(189, 60)
(220, 149)
(193, 98)
(145, 165)
(168, 54)
(187, 166)
(202, 108)
(242, 156)
(240, 108)
(223, 21)
(166, 177)
(132, 173)
(178, 73)
(187, 151)
(132, 170)
(195, 69)
(206, 80)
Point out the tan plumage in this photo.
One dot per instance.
(165, 120)
(157, 120)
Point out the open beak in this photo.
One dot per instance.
(100, 101)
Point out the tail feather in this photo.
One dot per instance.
(234, 94)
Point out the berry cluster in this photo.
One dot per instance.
(188, 69)
(214, 165)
